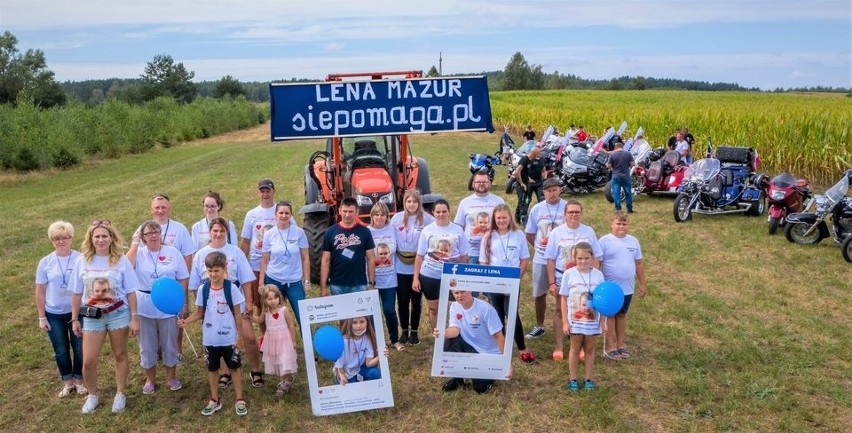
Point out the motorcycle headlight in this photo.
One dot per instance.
(777, 195)
(363, 200)
(387, 199)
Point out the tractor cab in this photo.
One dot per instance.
(367, 172)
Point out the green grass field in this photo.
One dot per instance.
(740, 331)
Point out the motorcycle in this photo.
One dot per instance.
(846, 249)
(808, 228)
(480, 162)
(711, 188)
(786, 195)
(583, 173)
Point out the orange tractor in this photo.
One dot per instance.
(371, 169)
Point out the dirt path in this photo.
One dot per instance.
(257, 133)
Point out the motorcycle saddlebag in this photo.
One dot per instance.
(655, 172)
(736, 155)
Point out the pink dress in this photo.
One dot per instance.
(279, 354)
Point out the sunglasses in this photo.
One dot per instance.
(99, 223)
(159, 196)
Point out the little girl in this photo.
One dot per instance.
(360, 359)
(278, 347)
(579, 321)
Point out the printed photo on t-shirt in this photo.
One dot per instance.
(545, 226)
(441, 247)
(260, 229)
(577, 308)
(479, 223)
(384, 254)
(99, 291)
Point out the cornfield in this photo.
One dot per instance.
(804, 134)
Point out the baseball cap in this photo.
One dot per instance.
(551, 181)
(265, 183)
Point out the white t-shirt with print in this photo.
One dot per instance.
(477, 325)
(407, 237)
(285, 253)
(166, 263)
(506, 250)
(562, 239)
(467, 216)
(577, 287)
(174, 234)
(356, 352)
(121, 277)
(439, 244)
(619, 260)
(385, 241)
(237, 266)
(219, 327)
(56, 273)
(258, 221)
(200, 233)
(542, 219)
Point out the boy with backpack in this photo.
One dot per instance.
(219, 305)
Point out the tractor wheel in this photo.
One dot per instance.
(315, 225)
(682, 210)
(846, 249)
(774, 223)
(423, 183)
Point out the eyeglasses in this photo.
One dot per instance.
(573, 212)
(151, 234)
(61, 238)
(211, 206)
(99, 223)
(481, 181)
(159, 196)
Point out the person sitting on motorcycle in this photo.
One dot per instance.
(506, 146)
(530, 174)
(682, 147)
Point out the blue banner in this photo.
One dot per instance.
(481, 270)
(340, 108)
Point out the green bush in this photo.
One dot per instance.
(64, 159)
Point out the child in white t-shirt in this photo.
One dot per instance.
(360, 359)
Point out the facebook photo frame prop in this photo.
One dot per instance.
(404, 106)
(319, 317)
(476, 278)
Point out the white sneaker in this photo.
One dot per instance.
(90, 404)
(119, 403)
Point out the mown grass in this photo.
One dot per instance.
(739, 332)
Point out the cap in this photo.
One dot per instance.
(617, 139)
(265, 183)
(551, 181)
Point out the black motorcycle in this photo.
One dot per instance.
(583, 173)
(808, 228)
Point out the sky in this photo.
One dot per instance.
(755, 43)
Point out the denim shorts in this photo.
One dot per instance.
(118, 319)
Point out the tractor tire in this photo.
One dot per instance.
(846, 249)
(794, 232)
(510, 185)
(681, 209)
(315, 225)
(423, 184)
(774, 223)
(311, 190)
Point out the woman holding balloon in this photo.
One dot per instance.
(159, 267)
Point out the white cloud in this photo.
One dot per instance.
(334, 46)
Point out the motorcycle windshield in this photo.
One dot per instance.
(838, 191)
(784, 180)
(640, 150)
(703, 169)
(579, 156)
(478, 159)
(526, 147)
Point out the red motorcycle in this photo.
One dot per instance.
(786, 194)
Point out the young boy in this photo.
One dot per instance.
(221, 335)
(622, 263)
(474, 327)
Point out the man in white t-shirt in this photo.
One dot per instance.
(560, 243)
(543, 218)
(474, 327)
(257, 222)
(469, 213)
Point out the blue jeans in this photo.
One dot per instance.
(388, 298)
(366, 373)
(294, 292)
(64, 341)
(339, 290)
(619, 183)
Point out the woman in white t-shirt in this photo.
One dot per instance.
(440, 242)
(284, 261)
(157, 330)
(408, 225)
(505, 245)
(200, 233)
(384, 237)
(53, 303)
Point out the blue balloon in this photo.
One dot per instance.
(328, 342)
(607, 298)
(167, 295)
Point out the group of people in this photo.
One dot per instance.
(104, 290)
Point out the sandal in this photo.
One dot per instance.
(398, 346)
(283, 387)
(624, 353)
(66, 391)
(81, 389)
(558, 355)
(256, 379)
(614, 355)
(224, 380)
